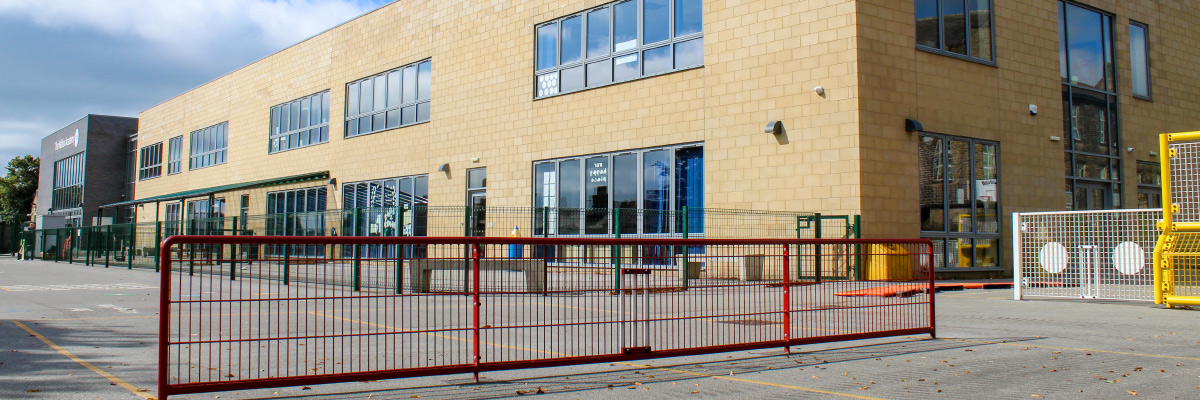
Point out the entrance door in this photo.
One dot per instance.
(1092, 196)
(478, 214)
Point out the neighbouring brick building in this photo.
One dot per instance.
(929, 118)
(84, 166)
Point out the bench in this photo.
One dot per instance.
(421, 270)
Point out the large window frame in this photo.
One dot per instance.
(575, 217)
(150, 162)
(208, 146)
(971, 51)
(1149, 187)
(1092, 143)
(67, 187)
(299, 123)
(297, 212)
(175, 155)
(947, 188)
(405, 99)
(591, 66)
(1140, 76)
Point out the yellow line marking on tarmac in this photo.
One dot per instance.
(90, 318)
(730, 378)
(115, 380)
(1125, 353)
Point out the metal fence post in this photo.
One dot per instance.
(858, 271)
(71, 243)
(87, 257)
(817, 248)
(399, 250)
(357, 251)
(129, 257)
(616, 263)
(107, 245)
(157, 244)
(232, 252)
(476, 303)
(686, 249)
(1016, 252)
(787, 297)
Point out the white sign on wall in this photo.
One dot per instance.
(69, 141)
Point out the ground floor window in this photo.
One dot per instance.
(959, 200)
(1149, 194)
(206, 217)
(629, 192)
(386, 207)
(299, 212)
(174, 218)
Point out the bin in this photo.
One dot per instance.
(888, 262)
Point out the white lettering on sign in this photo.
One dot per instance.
(598, 173)
(73, 141)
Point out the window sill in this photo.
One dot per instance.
(206, 166)
(701, 66)
(1144, 98)
(958, 56)
(150, 178)
(344, 137)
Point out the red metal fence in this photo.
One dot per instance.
(242, 312)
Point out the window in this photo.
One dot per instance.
(1149, 185)
(960, 213)
(174, 155)
(387, 207)
(67, 190)
(208, 146)
(477, 201)
(1139, 58)
(396, 98)
(955, 27)
(299, 123)
(174, 219)
(618, 42)
(299, 212)
(577, 193)
(206, 217)
(1092, 159)
(150, 165)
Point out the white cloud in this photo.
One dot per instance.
(193, 27)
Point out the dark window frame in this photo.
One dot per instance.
(946, 234)
(1149, 96)
(401, 110)
(150, 160)
(175, 155)
(302, 136)
(942, 35)
(213, 145)
(552, 75)
(1114, 183)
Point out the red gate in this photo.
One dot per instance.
(243, 312)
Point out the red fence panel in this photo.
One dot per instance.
(242, 312)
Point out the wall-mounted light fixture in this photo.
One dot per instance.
(1128, 149)
(774, 127)
(820, 91)
(444, 168)
(912, 125)
(333, 181)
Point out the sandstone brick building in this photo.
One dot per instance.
(929, 118)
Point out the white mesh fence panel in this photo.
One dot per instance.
(1185, 180)
(1086, 254)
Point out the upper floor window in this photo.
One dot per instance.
(150, 162)
(389, 100)
(1139, 58)
(618, 42)
(68, 183)
(961, 27)
(208, 146)
(299, 123)
(175, 155)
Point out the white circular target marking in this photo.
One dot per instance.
(1129, 258)
(1053, 257)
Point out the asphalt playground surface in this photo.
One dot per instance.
(75, 332)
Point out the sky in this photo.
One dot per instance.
(63, 59)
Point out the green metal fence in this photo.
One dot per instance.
(136, 245)
(10, 233)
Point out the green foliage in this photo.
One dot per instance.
(18, 187)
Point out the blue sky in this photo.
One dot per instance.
(63, 59)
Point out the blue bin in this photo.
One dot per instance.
(516, 251)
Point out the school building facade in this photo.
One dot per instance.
(929, 118)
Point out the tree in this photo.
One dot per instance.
(19, 186)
